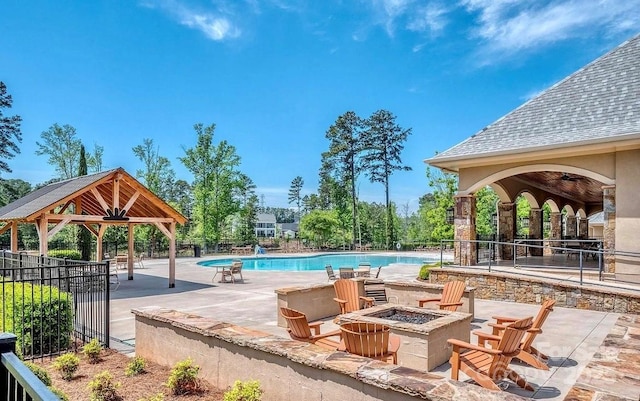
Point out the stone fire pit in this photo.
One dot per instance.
(423, 332)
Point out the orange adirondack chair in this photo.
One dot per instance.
(300, 329)
(528, 354)
(372, 340)
(347, 296)
(486, 366)
(451, 296)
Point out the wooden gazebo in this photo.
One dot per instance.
(95, 201)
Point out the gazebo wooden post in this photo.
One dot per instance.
(130, 250)
(172, 254)
(14, 236)
(99, 250)
(43, 235)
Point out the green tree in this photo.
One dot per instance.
(319, 226)
(63, 149)
(383, 142)
(343, 159)
(180, 198)
(486, 200)
(157, 175)
(215, 173)
(444, 188)
(94, 161)
(294, 192)
(84, 235)
(248, 212)
(10, 134)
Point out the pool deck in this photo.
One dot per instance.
(571, 336)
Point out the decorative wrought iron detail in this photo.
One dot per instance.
(116, 215)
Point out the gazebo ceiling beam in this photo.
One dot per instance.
(58, 226)
(6, 228)
(100, 199)
(83, 218)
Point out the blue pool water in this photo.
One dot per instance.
(317, 262)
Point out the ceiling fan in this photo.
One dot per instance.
(567, 177)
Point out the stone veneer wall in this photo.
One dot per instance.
(287, 369)
(500, 286)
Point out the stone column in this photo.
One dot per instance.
(609, 230)
(465, 230)
(555, 232)
(535, 231)
(571, 228)
(507, 222)
(583, 228)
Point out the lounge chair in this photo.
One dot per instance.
(487, 366)
(348, 298)
(346, 272)
(451, 296)
(330, 273)
(372, 340)
(300, 329)
(527, 354)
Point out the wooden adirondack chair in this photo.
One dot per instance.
(528, 354)
(300, 329)
(372, 340)
(486, 366)
(348, 298)
(451, 296)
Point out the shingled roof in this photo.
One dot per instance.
(600, 102)
(48, 197)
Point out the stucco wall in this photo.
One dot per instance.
(628, 214)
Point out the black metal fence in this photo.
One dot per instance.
(53, 305)
(17, 382)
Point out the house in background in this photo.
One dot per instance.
(266, 225)
(288, 230)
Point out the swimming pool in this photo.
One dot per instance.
(317, 262)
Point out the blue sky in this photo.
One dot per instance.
(273, 75)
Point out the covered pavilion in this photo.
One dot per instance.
(576, 147)
(94, 201)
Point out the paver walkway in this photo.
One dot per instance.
(571, 336)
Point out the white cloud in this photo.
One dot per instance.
(214, 24)
(509, 26)
(430, 18)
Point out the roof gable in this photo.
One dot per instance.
(598, 102)
(82, 190)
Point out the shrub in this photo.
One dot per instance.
(40, 372)
(40, 316)
(425, 269)
(184, 378)
(136, 366)
(65, 253)
(247, 391)
(61, 395)
(67, 364)
(103, 387)
(92, 350)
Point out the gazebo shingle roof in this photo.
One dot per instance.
(600, 102)
(47, 196)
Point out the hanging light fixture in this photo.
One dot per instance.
(525, 221)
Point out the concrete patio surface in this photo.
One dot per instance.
(570, 338)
